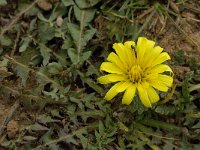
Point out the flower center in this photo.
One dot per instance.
(136, 74)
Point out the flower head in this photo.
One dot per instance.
(137, 69)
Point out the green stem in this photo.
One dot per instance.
(160, 124)
(80, 35)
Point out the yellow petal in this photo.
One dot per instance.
(110, 68)
(158, 85)
(120, 50)
(112, 57)
(143, 96)
(153, 96)
(161, 58)
(167, 80)
(123, 87)
(150, 57)
(160, 69)
(113, 91)
(145, 84)
(129, 94)
(129, 44)
(140, 48)
(130, 52)
(151, 76)
(153, 72)
(111, 78)
(144, 46)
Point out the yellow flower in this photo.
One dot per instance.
(137, 69)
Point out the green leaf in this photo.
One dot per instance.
(75, 32)
(5, 41)
(87, 3)
(42, 18)
(84, 141)
(180, 57)
(101, 127)
(138, 106)
(37, 127)
(193, 64)
(72, 53)
(4, 62)
(3, 2)
(92, 69)
(45, 52)
(122, 127)
(60, 10)
(46, 32)
(97, 135)
(56, 113)
(47, 137)
(67, 43)
(22, 73)
(168, 145)
(108, 140)
(52, 94)
(166, 109)
(80, 39)
(25, 43)
(160, 124)
(121, 143)
(89, 34)
(185, 87)
(44, 119)
(85, 56)
(92, 84)
(196, 126)
(67, 3)
(54, 68)
(84, 16)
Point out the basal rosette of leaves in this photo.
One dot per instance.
(137, 69)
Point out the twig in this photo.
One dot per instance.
(145, 13)
(196, 10)
(9, 116)
(15, 45)
(193, 19)
(17, 17)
